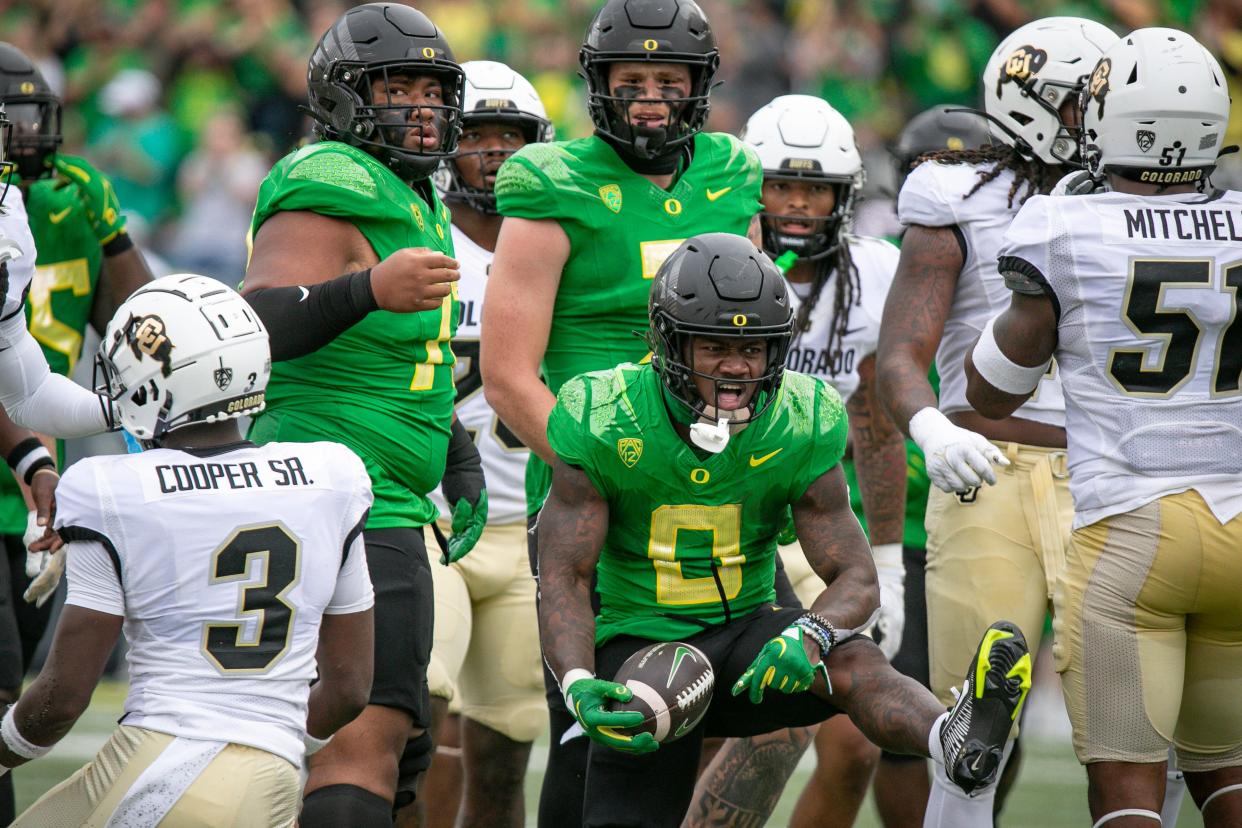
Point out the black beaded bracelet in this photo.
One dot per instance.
(820, 629)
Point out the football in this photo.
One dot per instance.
(672, 684)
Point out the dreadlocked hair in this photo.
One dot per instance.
(1037, 176)
(848, 293)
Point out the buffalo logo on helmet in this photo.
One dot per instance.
(630, 450)
(610, 194)
(148, 336)
(1097, 86)
(223, 376)
(1145, 139)
(1023, 64)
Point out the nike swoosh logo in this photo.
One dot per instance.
(713, 196)
(849, 331)
(57, 218)
(683, 728)
(305, 293)
(759, 461)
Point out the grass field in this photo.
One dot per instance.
(1051, 792)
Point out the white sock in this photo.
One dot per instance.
(1174, 791)
(950, 807)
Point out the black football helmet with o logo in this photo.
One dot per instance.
(380, 41)
(943, 127)
(33, 112)
(718, 285)
(658, 31)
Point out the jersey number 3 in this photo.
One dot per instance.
(260, 604)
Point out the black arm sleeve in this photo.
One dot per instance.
(300, 320)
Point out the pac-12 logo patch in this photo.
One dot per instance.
(223, 376)
(1145, 139)
(610, 194)
(1023, 64)
(630, 449)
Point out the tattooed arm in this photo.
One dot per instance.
(837, 550)
(931, 260)
(879, 458)
(572, 528)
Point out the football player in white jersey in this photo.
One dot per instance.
(235, 571)
(486, 659)
(1137, 294)
(812, 174)
(30, 392)
(998, 545)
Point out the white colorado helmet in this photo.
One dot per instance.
(1155, 109)
(802, 137)
(1031, 74)
(494, 92)
(183, 349)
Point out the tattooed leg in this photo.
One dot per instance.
(742, 785)
(892, 710)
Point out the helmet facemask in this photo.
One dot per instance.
(611, 107)
(483, 199)
(36, 134)
(382, 128)
(826, 238)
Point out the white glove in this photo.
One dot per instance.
(957, 459)
(44, 586)
(36, 562)
(892, 620)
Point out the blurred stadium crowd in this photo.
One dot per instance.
(186, 103)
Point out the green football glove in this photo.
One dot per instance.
(783, 664)
(468, 523)
(103, 210)
(586, 699)
(465, 490)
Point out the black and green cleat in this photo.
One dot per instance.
(973, 737)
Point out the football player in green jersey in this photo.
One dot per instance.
(587, 224)
(352, 271)
(672, 479)
(85, 267)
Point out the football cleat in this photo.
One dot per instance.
(973, 736)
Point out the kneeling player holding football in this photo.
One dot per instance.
(671, 482)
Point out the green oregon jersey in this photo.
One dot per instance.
(621, 228)
(62, 294)
(679, 523)
(385, 386)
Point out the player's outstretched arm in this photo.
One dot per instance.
(521, 293)
(836, 548)
(346, 661)
(62, 691)
(914, 315)
(38, 399)
(880, 460)
(1004, 366)
(572, 526)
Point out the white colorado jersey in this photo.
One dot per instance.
(222, 563)
(15, 227)
(504, 456)
(933, 197)
(1149, 297)
(876, 260)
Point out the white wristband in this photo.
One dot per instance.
(567, 681)
(887, 556)
(313, 745)
(29, 459)
(16, 742)
(1000, 370)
